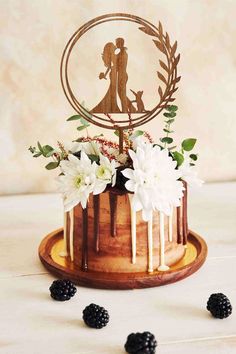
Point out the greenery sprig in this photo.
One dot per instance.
(170, 118)
(48, 151)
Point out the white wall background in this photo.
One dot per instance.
(33, 34)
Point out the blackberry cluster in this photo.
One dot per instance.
(95, 316)
(141, 343)
(62, 290)
(219, 306)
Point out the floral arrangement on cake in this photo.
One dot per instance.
(152, 172)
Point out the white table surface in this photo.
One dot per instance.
(31, 322)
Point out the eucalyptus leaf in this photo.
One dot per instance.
(167, 140)
(170, 121)
(52, 165)
(168, 131)
(81, 127)
(194, 157)
(47, 150)
(37, 155)
(188, 144)
(136, 134)
(40, 147)
(178, 157)
(84, 122)
(170, 114)
(75, 117)
(98, 136)
(172, 108)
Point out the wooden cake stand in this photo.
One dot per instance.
(52, 245)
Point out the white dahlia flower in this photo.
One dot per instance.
(154, 180)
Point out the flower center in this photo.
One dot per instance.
(79, 181)
(103, 173)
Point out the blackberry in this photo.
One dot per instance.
(62, 290)
(95, 316)
(141, 343)
(219, 306)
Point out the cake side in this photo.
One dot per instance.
(105, 237)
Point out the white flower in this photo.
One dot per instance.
(105, 174)
(189, 173)
(154, 180)
(89, 147)
(78, 180)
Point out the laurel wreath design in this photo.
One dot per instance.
(169, 78)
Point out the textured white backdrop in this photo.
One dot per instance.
(33, 35)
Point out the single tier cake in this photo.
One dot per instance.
(107, 236)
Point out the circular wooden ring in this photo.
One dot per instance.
(161, 41)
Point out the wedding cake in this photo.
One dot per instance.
(125, 201)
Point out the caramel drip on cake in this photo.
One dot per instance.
(184, 216)
(113, 213)
(162, 267)
(170, 226)
(96, 207)
(71, 213)
(179, 226)
(150, 245)
(64, 252)
(85, 240)
(133, 229)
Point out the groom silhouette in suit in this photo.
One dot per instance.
(122, 76)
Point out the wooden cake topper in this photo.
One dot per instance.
(120, 99)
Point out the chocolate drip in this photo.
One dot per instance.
(179, 226)
(85, 240)
(113, 213)
(96, 208)
(184, 216)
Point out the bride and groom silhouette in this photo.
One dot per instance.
(116, 65)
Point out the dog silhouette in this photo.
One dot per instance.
(139, 101)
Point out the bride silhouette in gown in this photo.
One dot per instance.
(116, 65)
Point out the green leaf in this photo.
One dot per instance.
(192, 164)
(194, 157)
(168, 131)
(172, 108)
(188, 144)
(178, 157)
(32, 149)
(170, 114)
(81, 127)
(116, 132)
(98, 136)
(169, 121)
(93, 158)
(136, 134)
(40, 147)
(52, 165)
(84, 122)
(75, 117)
(47, 151)
(166, 140)
(38, 154)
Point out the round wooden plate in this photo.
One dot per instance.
(62, 267)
